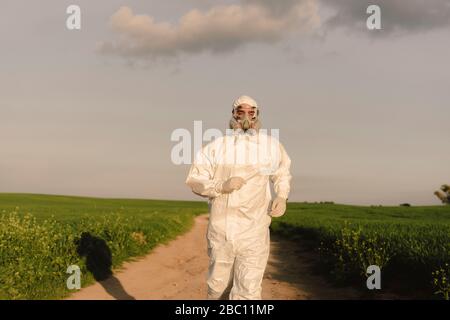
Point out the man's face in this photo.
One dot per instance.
(245, 117)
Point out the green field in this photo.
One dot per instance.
(411, 245)
(37, 234)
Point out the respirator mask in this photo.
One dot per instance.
(245, 117)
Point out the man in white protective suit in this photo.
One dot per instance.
(233, 172)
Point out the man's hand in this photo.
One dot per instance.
(234, 183)
(278, 207)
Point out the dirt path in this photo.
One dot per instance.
(178, 271)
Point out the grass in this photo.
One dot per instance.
(38, 232)
(410, 244)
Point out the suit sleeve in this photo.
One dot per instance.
(282, 177)
(201, 176)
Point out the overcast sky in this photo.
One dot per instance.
(364, 115)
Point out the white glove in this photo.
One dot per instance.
(234, 183)
(278, 207)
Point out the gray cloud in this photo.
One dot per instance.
(221, 29)
(397, 16)
(276, 8)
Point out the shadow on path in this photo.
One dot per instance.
(99, 263)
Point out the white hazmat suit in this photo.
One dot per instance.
(238, 236)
